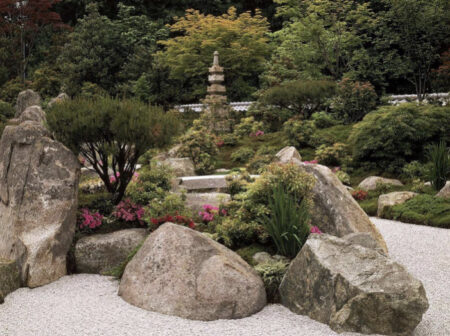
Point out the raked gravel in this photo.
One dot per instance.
(85, 305)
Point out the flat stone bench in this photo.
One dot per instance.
(203, 183)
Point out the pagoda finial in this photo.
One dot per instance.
(216, 58)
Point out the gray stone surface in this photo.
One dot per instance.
(204, 183)
(93, 301)
(371, 182)
(100, 253)
(38, 201)
(180, 166)
(288, 154)
(9, 278)
(445, 191)
(364, 239)
(335, 211)
(353, 288)
(393, 198)
(25, 99)
(32, 113)
(58, 99)
(262, 258)
(181, 272)
(195, 201)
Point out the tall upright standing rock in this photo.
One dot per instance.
(217, 109)
(26, 99)
(38, 199)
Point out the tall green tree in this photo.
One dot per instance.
(242, 42)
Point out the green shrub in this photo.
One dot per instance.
(299, 132)
(343, 177)
(323, 120)
(288, 222)
(237, 182)
(335, 155)
(242, 155)
(354, 100)
(235, 233)
(46, 81)
(439, 155)
(422, 209)
(370, 206)
(272, 274)
(170, 204)
(200, 145)
(111, 134)
(302, 98)
(99, 202)
(11, 89)
(273, 117)
(391, 136)
(7, 111)
(416, 170)
(151, 184)
(247, 126)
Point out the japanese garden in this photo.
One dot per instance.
(236, 167)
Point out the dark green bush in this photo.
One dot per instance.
(242, 155)
(111, 134)
(323, 120)
(99, 202)
(391, 136)
(7, 111)
(302, 98)
(354, 100)
(272, 274)
(299, 132)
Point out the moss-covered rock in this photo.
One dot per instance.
(9, 278)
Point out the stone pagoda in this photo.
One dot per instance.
(217, 108)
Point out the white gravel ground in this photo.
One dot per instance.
(85, 305)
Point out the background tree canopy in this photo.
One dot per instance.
(159, 51)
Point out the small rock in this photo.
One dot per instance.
(352, 288)
(445, 191)
(287, 155)
(393, 198)
(59, 99)
(278, 257)
(100, 253)
(33, 113)
(371, 183)
(181, 272)
(263, 258)
(222, 171)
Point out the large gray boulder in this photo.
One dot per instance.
(352, 288)
(26, 99)
(32, 113)
(287, 155)
(393, 198)
(371, 183)
(101, 253)
(38, 201)
(181, 272)
(195, 201)
(335, 211)
(9, 278)
(445, 191)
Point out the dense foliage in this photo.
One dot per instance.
(392, 136)
(111, 134)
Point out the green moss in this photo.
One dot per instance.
(422, 209)
(248, 252)
(370, 206)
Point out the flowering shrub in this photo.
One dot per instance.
(129, 212)
(114, 178)
(220, 143)
(257, 133)
(90, 220)
(178, 219)
(332, 155)
(359, 195)
(315, 229)
(210, 212)
(248, 126)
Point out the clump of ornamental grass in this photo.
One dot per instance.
(439, 155)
